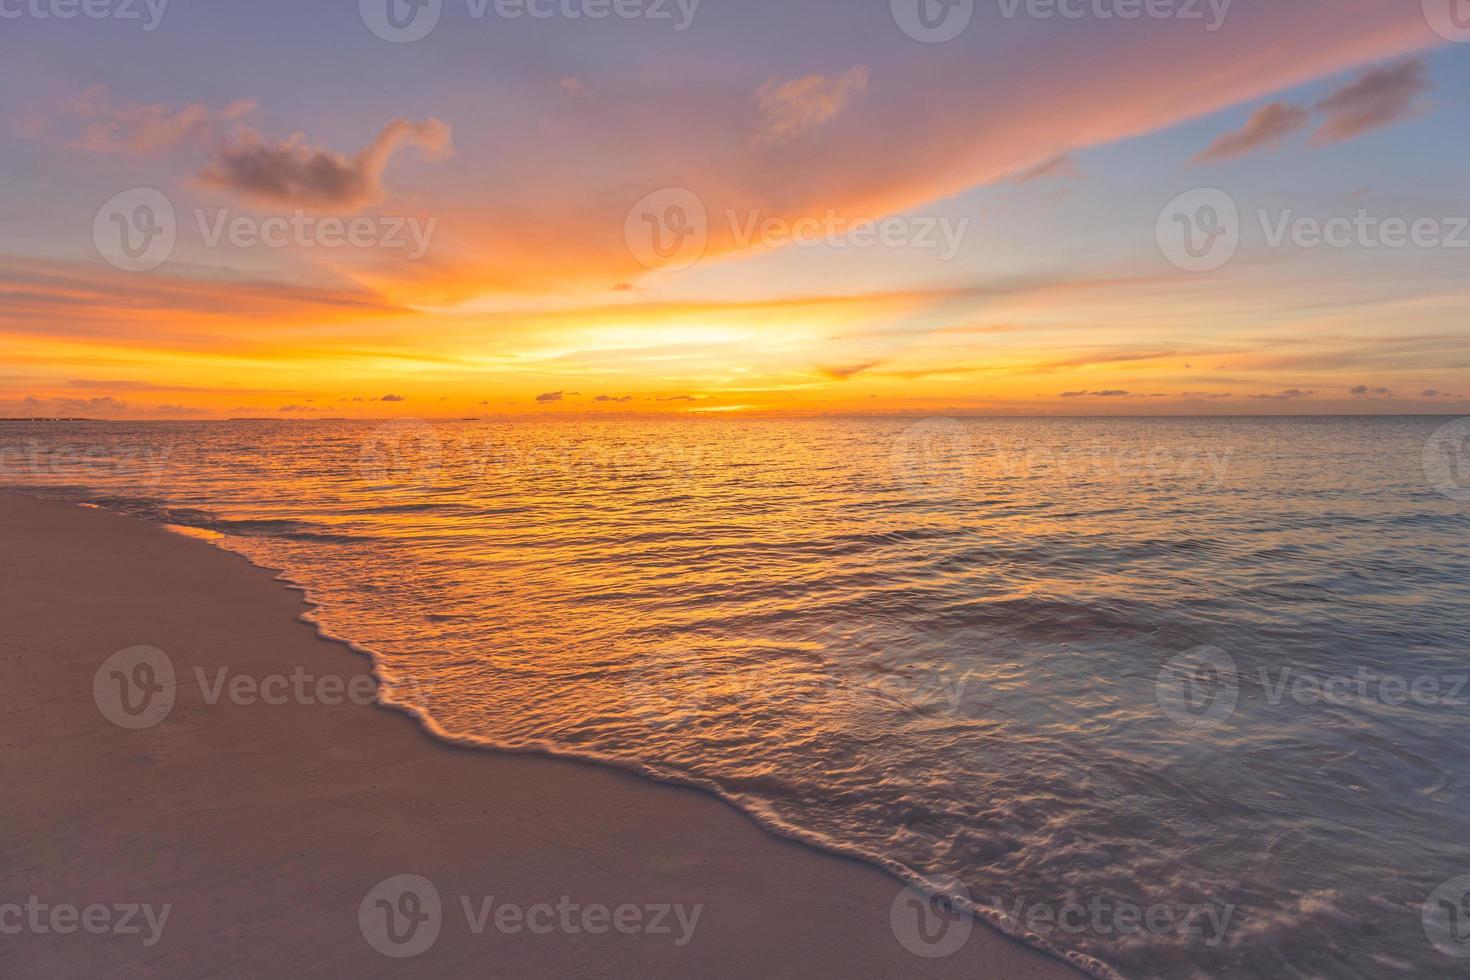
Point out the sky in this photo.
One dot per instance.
(465, 208)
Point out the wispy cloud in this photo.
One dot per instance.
(1379, 97)
(1269, 125)
(1057, 166)
(146, 128)
(795, 108)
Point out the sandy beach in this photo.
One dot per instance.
(248, 838)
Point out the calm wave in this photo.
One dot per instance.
(1047, 664)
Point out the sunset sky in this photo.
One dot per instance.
(526, 153)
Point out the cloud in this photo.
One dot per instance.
(551, 396)
(572, 85)
(1270, 124)
(679, 398)
(143, 129)
(1057, 166)
(850, 371)
(1377, 98)
(393, 398)
(1111, 393)
(797, 107)
(292, 173)
(1362, 391)
(613, 398)
(1290, 394)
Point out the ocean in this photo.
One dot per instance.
(1184, 695)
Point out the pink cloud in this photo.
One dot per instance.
(792, 109)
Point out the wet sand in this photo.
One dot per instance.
(265, 827)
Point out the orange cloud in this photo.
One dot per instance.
(795, 108)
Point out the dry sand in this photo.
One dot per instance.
(266, 826)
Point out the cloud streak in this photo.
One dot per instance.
(1378, 98)
(1268, 126)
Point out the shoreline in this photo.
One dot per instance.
(268, 826)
